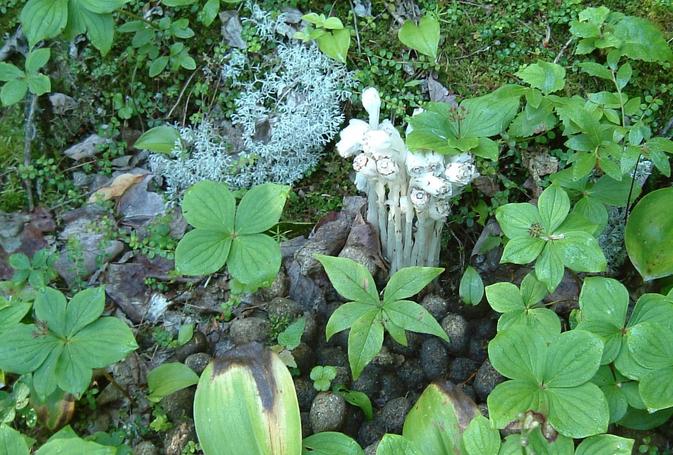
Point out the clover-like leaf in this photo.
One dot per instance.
(573, 359)
(578, 412)
(423, 37)
(260, 208)
(553, 206)
(548, 77)
(201, 252)
(254, 258)
(210, 205)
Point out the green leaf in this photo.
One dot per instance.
(210, 205)
(436, 422)
(649, 235)
(605, 444)
(573, 359)
(50, 308)
(364, 341)
(409, 281)
(335, 44)
(652, 345)
(350, 279)
(249, 393)
(37, 59)
(84, 308)
(103, 342)
(99, 29)
(344, 317)
(359, 399)
(548, 77)
(322, 377)
(43, 19)
(480, 438)
(209, 12)
(613, 192)
(642, 40)
(656, 389)
(174, 3)
(12, 442)
(22, 352)
(581, 252)
(39, 84)
(553, 206)
(291, 336)
(11, 315)
(549, 266)
(9, 72)
(624, 75)
(519, 353)
(412, 316)
(596, 70)
(394, 444)
(168, 378)
(330, 443)
(13, 91)
(185, 333)
(423, 37)
(202, 252)
(487, 148)
(516, 219)
(511, 398)
(471, 288)
(19, 261)
(522, 250)
(488, 115)
(160, 139)
(260, 208)
(605, 300)
(504, 297)
(432, 129)
(578, 412)
(157, 66)
(254, 258)
(532, 290)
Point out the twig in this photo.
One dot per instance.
(355, 25)
(29, 135)
(563, 49)
(478, 51)
(182, 92)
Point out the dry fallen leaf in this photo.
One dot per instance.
(119, 185)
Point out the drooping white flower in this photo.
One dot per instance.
(387, 168)
(371, 101)
(460, 173)
(419, 198)
(435, 186)
(351, 138)
(416, 164)
(435, 163)
(439, 209)
(376, 143)
(365, 165)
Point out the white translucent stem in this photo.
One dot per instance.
(435, 242)
(382, 216)
(419, 241)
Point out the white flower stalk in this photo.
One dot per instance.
(408, 192)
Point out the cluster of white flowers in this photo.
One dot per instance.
(408, 193)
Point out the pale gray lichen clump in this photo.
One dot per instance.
(611, 239)
(284, 117)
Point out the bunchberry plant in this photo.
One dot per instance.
(67, 340)
(18, 82)
(226, 234)
(604, 304)
(549, 374)
(37, 272)
(367, 315)
(547, 235)
(521, 306)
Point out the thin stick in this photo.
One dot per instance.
(563, 49)
(29, 135)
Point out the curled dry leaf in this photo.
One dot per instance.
(117, 188)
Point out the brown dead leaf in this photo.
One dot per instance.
(117, 188)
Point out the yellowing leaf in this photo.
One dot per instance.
(117, 188)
